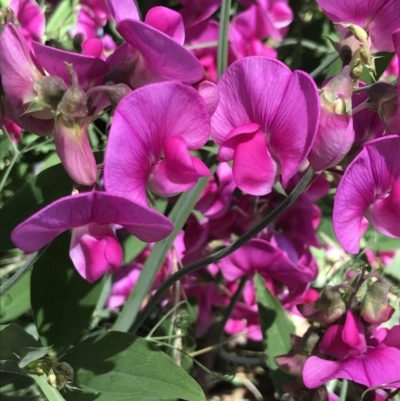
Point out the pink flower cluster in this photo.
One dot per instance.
(266, 124)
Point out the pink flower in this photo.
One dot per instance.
(196, 11)
(335, 134)
(154, 129)
(359, 359)
(31, 18)
(150, 55)
(259, 256)
(265, 122)
(94, 246)
(370, 187)
(379, 18)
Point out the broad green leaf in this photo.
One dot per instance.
(48, 186)
(62, 301)
(16, 301)
(30, 354)
(11, 367)
(276, 328)
(120, 366)
(13, 339)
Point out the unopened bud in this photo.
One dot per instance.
(73, 104)
(50, 90)
(359, 33)
(117, 92)
(374, 306)
(336, 94)
(292, 363)
(327, 309)
(383, 99)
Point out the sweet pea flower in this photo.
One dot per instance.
(379, 18)
(272, 263)
(362, 359)
(265, 122)
(335, 135)
(153, 51)
(370, 187)
(30, 17)
(195, 11)
(153, 130)
(94, 245)
(20, 73)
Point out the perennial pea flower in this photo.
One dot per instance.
(94, 246)
(30, 17)
(370, 361)
(379, 18)
(272, 263)
(335, 134)
(265, 122)
(370, 187)
(153, 130)
(153, 51)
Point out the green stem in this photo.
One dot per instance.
(343, 390)
(222, 60)
(178, 215)
(215, 257)
(21, 272)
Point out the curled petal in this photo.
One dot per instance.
(89, 207)
(95, 250)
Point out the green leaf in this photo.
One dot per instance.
(51, 393)
(120, 366)
(11, 367)
(62, 19)
(62, 301)
(132, 246)
(46, 187)
(13, 339)
(178, 215)
(276, 328)
(30, 354)
(16, 301)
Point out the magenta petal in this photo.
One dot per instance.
(353, 333)
(295, 124)
(384, 214)
(377, 366)
(95, 250)
(73, 148)
(122, 9)
(236, 136)
(167, 21)
(333, 141)
(31, 18)
(89, 207)
(176, 172)
(143, 121)
(378, 17)
(260, 256)
(161, 54)
(53, 60)
(254, 170)
(210, 94)
(369, 177)
(264, 91)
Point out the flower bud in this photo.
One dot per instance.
(50, 90)
(117, 92)
(73, 104)
(359, 33)
(383, 99)
(335, 135)
(374, 306)
(326, 310)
